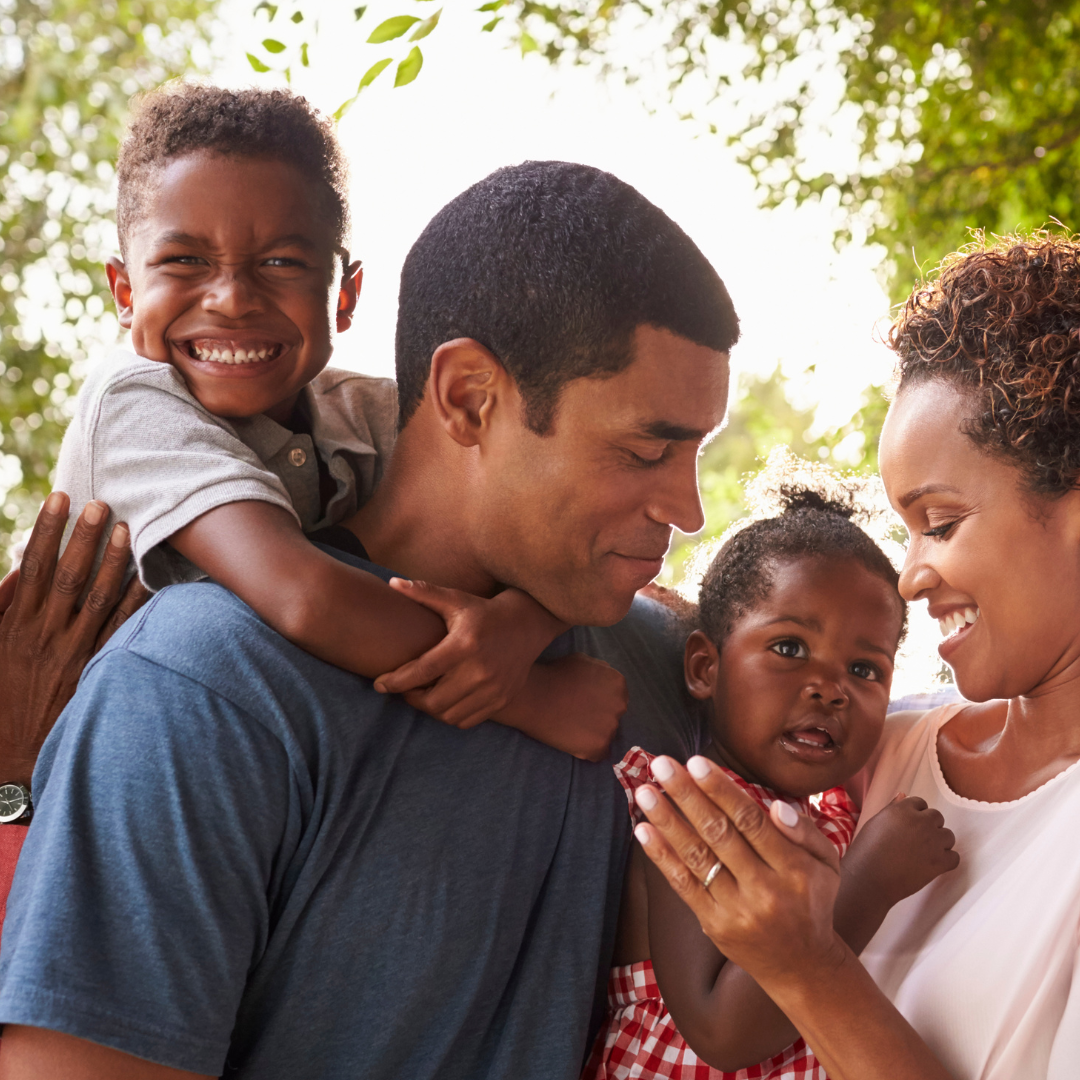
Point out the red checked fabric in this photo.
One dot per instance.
(639, 1039)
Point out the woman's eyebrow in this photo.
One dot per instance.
(927, 489)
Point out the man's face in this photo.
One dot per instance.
(582, 516)
(232, 276)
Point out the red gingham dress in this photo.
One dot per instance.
(639, 1040)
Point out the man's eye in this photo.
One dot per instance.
(792, 648)
(862, 670)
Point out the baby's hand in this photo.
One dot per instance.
(485, 658)
(901, 849)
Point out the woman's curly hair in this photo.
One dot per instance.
(810, 524)
(1001, 320)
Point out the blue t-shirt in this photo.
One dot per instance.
(246, 862)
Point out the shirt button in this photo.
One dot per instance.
(297, 457)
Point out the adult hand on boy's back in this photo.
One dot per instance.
(46, 638)
(901, 849)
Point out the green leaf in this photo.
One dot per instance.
(256, 63)
(410, 67)
(489, 26)
(493, 5)
(272, 46)
(344, 107)
(426, 27)
(297, 16)
(359, 11)
(303, 55)
(392, 28)
(373, 73)
(528, 43)
(270, 9)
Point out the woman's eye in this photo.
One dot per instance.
(939, 530)
(793, 650)
(862, 670)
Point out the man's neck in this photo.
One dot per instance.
(416, 523)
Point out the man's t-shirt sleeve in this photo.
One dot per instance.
(140, 903)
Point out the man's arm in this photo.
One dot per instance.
(46, 638)
(29, 1053)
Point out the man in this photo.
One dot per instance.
(247, 862)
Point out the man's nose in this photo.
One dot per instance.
(676, 499)
(232, 294)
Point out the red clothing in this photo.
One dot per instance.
(11, 842)
(639, 1038)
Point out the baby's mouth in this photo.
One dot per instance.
(815, 741)
(224, 351)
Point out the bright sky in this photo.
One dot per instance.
(478, 105)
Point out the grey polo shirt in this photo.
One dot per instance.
(140, 442)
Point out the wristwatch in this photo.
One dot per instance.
(16, 805)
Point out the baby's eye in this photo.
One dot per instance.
(862, 670)
(792, 648)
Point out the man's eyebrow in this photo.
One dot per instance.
(671, 432)
(927, 489)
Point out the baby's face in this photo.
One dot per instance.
(234, 278)
(801, 685)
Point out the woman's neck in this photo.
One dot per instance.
(999, 751)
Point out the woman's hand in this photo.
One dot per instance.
(45, 639)
(770, 907)
(770, 910)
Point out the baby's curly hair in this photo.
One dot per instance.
(182, 118)
(1001, 320)
(810, 525)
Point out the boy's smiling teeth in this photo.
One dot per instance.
(957, 620)
(227, 352)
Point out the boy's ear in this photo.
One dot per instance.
(120, 287)
(465, 385)
(701, 665)
(352, 277)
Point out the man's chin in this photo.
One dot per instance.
(600, 610)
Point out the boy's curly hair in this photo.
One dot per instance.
(182, 118)
(1001, 319)
(810, 525)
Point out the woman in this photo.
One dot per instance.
(981, 456)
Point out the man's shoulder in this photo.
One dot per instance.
(207, 636)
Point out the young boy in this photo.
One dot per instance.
(226, 439)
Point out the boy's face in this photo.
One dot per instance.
(233, 276)
(801, 684)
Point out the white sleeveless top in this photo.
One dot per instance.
(983, 961)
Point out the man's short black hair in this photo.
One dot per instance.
(552, 266)
(183, 118)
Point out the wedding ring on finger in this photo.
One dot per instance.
(710, 877)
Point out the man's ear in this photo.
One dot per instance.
(352, 277)
(465, 385)
(120, 287)
(701, 665)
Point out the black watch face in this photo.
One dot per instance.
(14, 799)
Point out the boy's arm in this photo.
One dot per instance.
(353, 619)
(726, 1018)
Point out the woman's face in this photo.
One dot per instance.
(1000, 567)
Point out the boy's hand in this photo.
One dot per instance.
(901, 850)
(485, 658)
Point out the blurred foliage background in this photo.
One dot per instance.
(935, 117)
(67, 70)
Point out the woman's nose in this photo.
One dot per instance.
(917, 576)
